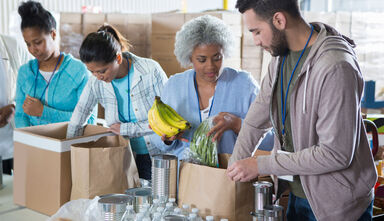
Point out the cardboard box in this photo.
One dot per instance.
(42, 165)
(252, 52)
(71, 33)
(163, 44)
(92, 22)
(234, 63)
(136, 28)
(167, 23)
(169, 64)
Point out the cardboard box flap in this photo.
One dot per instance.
(52, 137)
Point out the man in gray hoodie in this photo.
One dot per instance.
(311, 97)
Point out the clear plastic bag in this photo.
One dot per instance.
(202, 150)
(79, 210)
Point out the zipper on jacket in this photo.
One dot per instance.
(271, 103)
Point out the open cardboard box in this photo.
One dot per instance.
(42, 165)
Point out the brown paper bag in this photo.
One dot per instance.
(102, 167)
(210, 190)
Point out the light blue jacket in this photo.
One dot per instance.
(235, 92)
(63, 92)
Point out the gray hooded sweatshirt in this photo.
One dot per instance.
(332, 154)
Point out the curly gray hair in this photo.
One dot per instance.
(202, 30)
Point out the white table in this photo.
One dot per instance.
(11, 212)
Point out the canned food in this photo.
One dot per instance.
(263, 195)
(113, 206)
(141, 196)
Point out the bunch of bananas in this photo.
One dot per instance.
(163, 119)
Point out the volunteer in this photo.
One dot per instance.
(208, 89)
(125, 85)
(311, 96)
(49, 86)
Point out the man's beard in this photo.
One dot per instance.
(279, 45)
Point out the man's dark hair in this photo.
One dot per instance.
(267, 8)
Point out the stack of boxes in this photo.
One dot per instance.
(252, 56)
(136, 28)
(164, 28)
(71, 33)
(92, 22)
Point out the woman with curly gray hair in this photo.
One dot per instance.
(208, 89)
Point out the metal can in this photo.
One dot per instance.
(164, 176)
(273, 213)
(113, 206)
(263, 195)
(141, 196)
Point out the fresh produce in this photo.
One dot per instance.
(202, 145)
(163, 119)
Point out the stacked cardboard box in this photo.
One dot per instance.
(252, 56)
(92, 22)
(71, 33)
(136, 28)
(165, 26)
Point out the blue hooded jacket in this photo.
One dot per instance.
(63, 92)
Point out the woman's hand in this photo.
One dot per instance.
(115, 128)
(169, 140)
(33, 106)
(222, 122)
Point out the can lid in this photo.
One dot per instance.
(115, 199)
(262, 184)
(273, 210)
(163, 160)
(139, 191)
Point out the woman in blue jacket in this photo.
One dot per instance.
(209, 89)
(49, 86)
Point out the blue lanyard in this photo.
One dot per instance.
(198, 100)
(129, 100)
(50, 78)
(284, 102)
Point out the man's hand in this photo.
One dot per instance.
(243, 170)
(222, 122)
(6, 114)
(115, 128)
(33, 106)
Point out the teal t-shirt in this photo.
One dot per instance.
(126, 114)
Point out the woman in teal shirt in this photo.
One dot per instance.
(49, 86)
